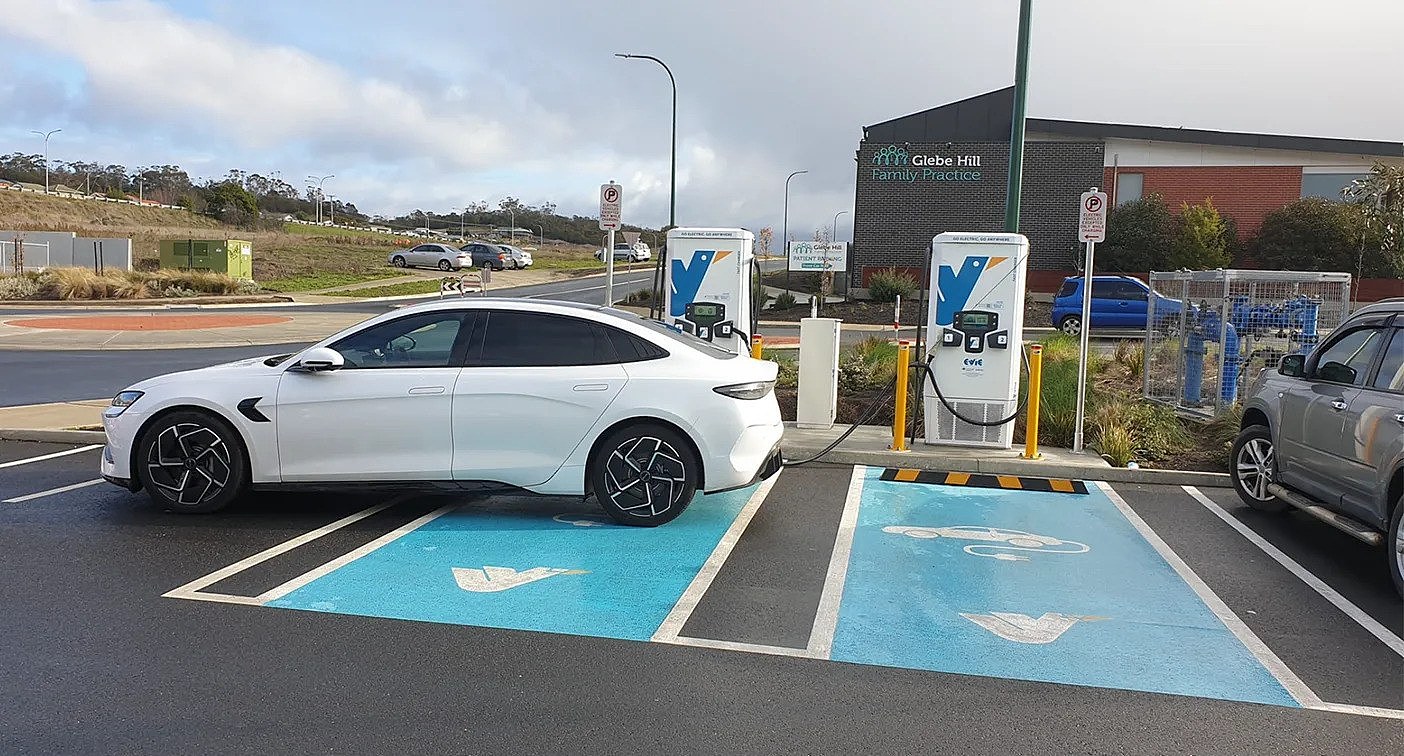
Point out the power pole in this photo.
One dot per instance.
(1014, 185)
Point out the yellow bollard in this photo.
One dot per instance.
(1035, 388)
(756, 347)
(899, 414)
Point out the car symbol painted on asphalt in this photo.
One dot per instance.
(996, 543)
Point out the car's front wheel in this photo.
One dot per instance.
(1071, 325)
(644, 475)
(398, 261)
(192, 462)
(1394, 545)
(1254, 460)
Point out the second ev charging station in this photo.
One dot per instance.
(707, 291)
(975, 338)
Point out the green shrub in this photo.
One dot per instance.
(1139, 237)
(887, 285)
(1318, 234)
(784, 300)
(1200, 241)
(18, 287)
(789, 371)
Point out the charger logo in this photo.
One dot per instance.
(687, 279)
(974, 362)
(953, 288)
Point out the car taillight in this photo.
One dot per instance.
(752, 390)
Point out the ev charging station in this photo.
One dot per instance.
(975, 338)
(707, 291)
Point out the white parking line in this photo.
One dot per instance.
(821, 637)
(1371, 625)
(191, 590)
(65, 453)
(53, 491)
(1270, 661)
(673, 624)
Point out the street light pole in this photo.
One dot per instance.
(331, 208)
(461, 213)
(785, 226)
(834, 236)
(320, 180)
(1014, 184)
(513, 230)
(46, 135)
(540, 237)
(673, 170)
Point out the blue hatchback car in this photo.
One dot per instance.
(1117, 302)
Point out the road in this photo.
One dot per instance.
(1151, 628)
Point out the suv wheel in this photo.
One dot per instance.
(1394, 545)
(1071, 325)
(644, 475)
(1254, 461)
(191, 462)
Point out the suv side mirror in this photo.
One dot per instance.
(319, 360)
(1293, 366)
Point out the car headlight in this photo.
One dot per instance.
(121, 402)
(752, 390)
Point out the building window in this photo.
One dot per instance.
(1129, 187)
(1327, 185)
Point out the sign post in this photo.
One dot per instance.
(611, 197)
(1091, 228)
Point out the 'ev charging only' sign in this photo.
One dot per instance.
(1092, 217)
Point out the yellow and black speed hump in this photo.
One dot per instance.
(1007, 482)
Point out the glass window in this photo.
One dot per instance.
(1327, 185)
(424, 340)
(631, 348)
(1348, 359)
(529, 339)
(1129, 187)
(1391, 375)
(1069, 288)
(1104, 289)
(1128, 290)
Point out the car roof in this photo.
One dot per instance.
(505, 303)
(1393, 304)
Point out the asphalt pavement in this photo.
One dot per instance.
(793, 623)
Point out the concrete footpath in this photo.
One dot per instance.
(81, 423)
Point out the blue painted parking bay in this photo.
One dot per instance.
(1052, 587)
(529, 564)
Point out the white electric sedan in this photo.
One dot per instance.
(550, 397)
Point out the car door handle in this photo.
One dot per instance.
(1339, 405)
(427, 390)
(591, 387)
(1399, 418)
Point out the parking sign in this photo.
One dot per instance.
(611, 197)
(1092, 217)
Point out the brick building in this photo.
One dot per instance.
(944, 169)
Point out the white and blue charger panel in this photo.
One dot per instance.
(707, 291)
(975, 327)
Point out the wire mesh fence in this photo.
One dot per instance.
(1209, 333)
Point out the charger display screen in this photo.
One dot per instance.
(705, 310)
(975, 319)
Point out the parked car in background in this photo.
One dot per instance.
(441, 256)
(1324, 433)
(628, 253)
(1117, 302)
(486, 256)
(517, 258)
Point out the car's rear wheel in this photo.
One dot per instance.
(398, 261)
(1254, 460)
(644, 475)
(445, 265)
(1394, 545)
(192, 462)
(1071, 325)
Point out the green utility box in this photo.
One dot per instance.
(229, 256)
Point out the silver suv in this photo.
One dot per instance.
(1324, 433)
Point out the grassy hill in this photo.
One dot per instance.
(293, 258)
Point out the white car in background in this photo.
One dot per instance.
(441, 256)
(551, 397)
(638, 252)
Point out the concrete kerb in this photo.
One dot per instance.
(55, 436)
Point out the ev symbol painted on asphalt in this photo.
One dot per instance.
(995, 543)
(497, 579)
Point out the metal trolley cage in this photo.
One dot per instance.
(1210, 332)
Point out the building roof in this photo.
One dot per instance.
(988, 117)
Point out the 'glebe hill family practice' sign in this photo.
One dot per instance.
(893, 163)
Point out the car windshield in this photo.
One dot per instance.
(701, 345)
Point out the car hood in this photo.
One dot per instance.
(250, 366)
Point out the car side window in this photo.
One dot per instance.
(631, 348)
(1069, 289)
(1347, 360)
(1103, 289)
(1128, 290)
(529, 339)
(1391, 375)
(424, 340)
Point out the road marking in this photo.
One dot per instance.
(821, 636)
(672, 624)
(191, 589)
(751, 648)
(1021, 628)
(53, 491)
(1294, 685)
(1371, 625)
(489, 579)
(1362, 711)
(274, 594)
(41, 458)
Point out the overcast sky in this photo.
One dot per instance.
(434, 103)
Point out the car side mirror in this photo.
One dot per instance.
(320, 360)
(1293, 366)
